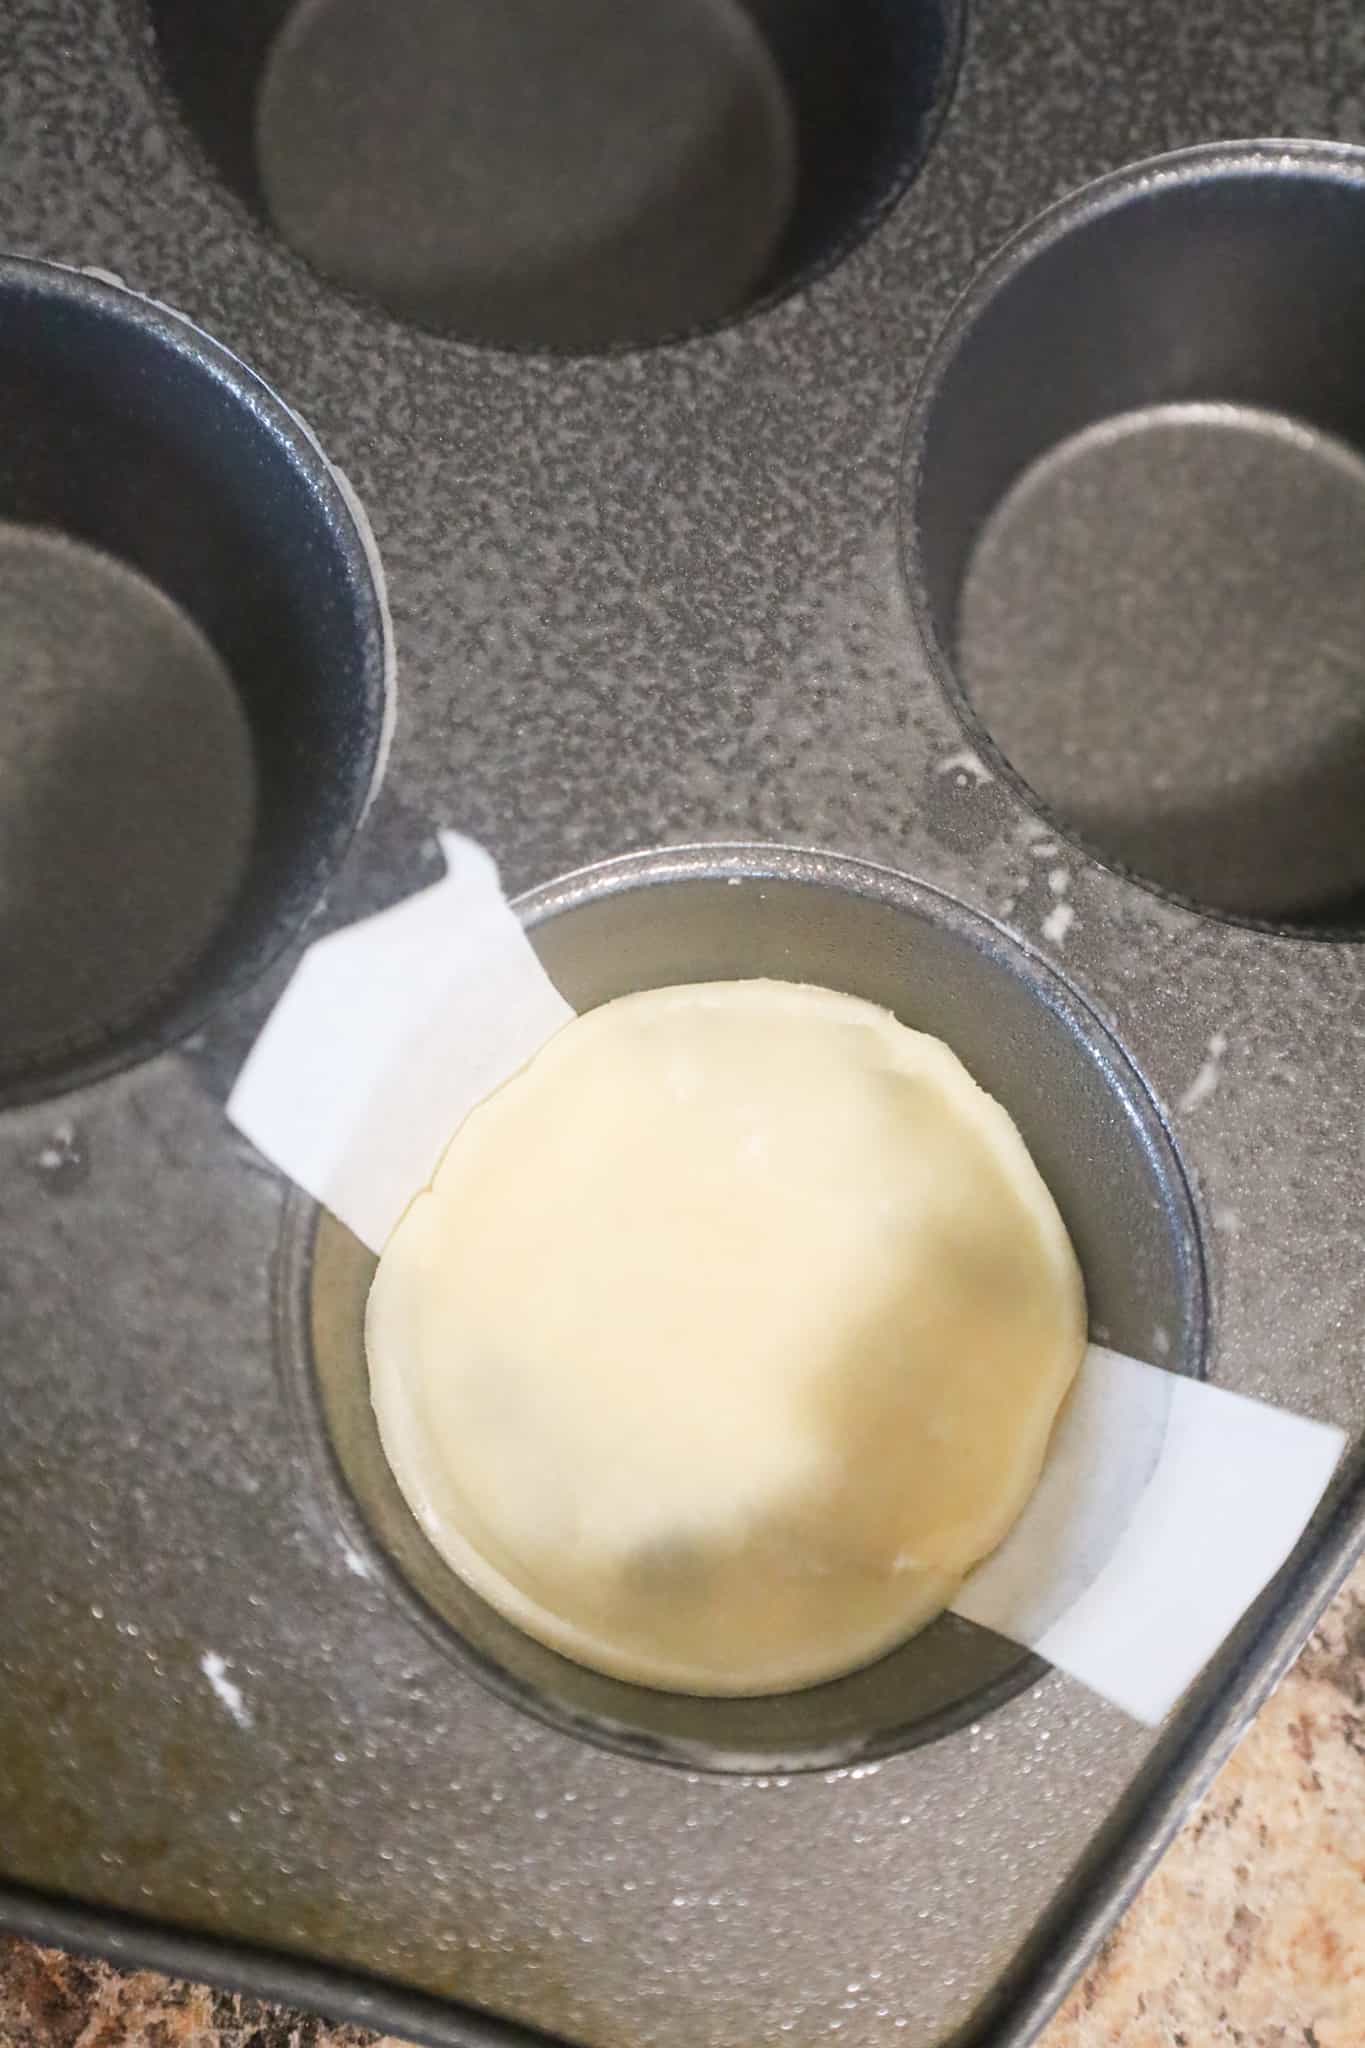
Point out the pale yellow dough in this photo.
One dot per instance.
(727, 1338)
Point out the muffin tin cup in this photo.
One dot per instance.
(1133, 516)
(714, 913)
(197, 676)
(619, 179)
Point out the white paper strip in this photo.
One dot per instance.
(1165, 1505)
(387, 1036)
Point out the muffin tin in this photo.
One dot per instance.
(640, 596)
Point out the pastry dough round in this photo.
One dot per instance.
(727, 1338)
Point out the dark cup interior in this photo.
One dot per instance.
(717, 913)
(531, 174)
(1134, 521)
(194, 676)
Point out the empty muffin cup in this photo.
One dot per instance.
(1134, 524)
(725, 913)
(531, 175)
(194, 667)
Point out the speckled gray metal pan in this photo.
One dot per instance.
(644, 596)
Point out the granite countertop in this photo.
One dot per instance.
(1250, 1934)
